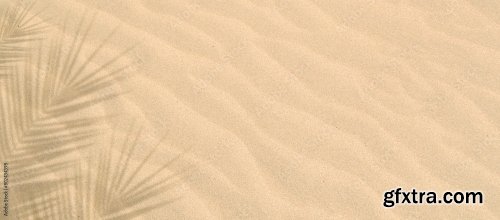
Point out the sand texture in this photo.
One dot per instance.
(248, 109)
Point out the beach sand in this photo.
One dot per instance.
(280, 109)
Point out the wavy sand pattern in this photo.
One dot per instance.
(306, 109)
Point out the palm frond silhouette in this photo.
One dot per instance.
(17, 28)
(38, 100)
(44, 200)
(41, 103)
(109, 184)
(42, 121)
(117, 186)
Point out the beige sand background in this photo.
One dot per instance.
(303, 109)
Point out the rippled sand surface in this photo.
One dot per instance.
(281, 109)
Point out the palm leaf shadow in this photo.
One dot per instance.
(38, 101)
(41, 104)
(43, 199)
(17, 28)
(113, 188)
